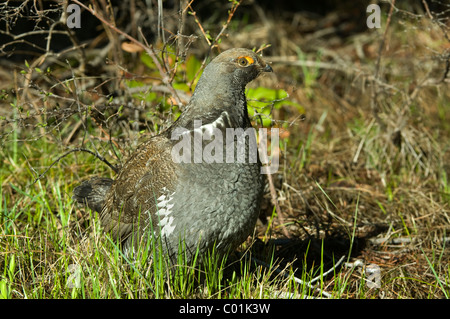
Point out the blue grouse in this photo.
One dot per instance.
(171, 188)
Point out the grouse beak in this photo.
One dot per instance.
(267, 68)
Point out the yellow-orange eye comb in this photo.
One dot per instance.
(245, 60)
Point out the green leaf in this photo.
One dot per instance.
(4, 290)
(148, 61)
(262, 97)
(192, 66)
(263, 100)
(134, 83)
(181, 86)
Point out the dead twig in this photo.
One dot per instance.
(114, 168)
(212, 44)
(427, 9)
(231, 13)
(309, 284)
(373, 99)
(273, 194)
(202, 30)
(147, 48)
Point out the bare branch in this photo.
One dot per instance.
(148, 49)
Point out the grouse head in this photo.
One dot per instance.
(235, 68)
(221, 88)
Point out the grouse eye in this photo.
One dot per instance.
(244, 61)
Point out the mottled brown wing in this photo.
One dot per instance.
(133, 195)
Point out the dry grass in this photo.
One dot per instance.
(384, 157)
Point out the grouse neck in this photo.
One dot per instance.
(211, 101)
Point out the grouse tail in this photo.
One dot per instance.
(93, 192)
